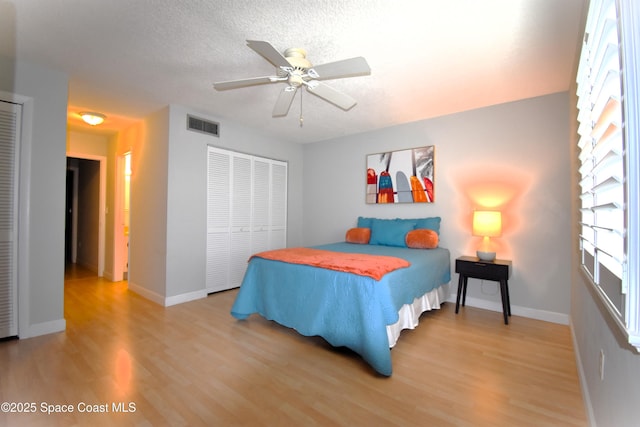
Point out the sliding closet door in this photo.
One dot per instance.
(269, 217)
(9, 137)
(278, 205)
(218, 219)
(241, 196)
(260, 212)
(246, 211)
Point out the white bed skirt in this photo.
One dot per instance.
(410, 313)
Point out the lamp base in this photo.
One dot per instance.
(486, 256)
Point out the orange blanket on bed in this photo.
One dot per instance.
(374, 266)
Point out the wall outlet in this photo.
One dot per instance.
(601, 365)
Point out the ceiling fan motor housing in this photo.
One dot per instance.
(297, 57)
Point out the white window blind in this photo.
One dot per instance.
(605, 131)
(602, 153)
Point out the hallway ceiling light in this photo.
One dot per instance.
(93, 118)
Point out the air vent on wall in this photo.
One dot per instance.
(200, 125)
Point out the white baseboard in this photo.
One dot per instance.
(88, 265)
(167, 301)
(190, 296)
(108, 276)
(45, 328)
(146, 293)
(547, 316)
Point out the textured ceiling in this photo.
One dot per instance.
(428, 58)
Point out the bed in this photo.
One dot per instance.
(349, 309)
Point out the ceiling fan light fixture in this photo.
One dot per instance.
(92, 118)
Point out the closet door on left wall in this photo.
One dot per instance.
(246, 213)
(10, 115)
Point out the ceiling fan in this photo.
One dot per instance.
(295, 70)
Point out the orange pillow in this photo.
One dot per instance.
(358, 235)
(422, 239)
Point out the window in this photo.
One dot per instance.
(609, 159)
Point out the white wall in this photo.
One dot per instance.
(186, 208)
(148, 142)
(43, 174)
(516, 153)
(612, 401)
(89, 144)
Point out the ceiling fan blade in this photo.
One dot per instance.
(284, 101)
(330, 94)
(269, 53)
(346, 68)
(233, 84)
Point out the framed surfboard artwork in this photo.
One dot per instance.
(403, 176)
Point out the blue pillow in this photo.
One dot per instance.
(364, 222)
(432, 223)
(390, 232)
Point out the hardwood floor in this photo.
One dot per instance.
(193, 364)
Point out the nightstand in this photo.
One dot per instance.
(498, 270)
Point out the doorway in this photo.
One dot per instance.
(85, 211)
(122, 215)
(71, 214)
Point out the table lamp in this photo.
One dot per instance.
(486, 224)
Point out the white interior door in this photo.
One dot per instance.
(10, 115)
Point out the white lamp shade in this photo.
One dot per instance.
(487, 223)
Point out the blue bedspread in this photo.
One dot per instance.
(344, 308)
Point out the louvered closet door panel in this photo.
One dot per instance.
(9, 137)
(260, 214)
(217, 261)
(278, 205)
(238, 257)
(218, 219)
(240, 218)
(241, 193)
